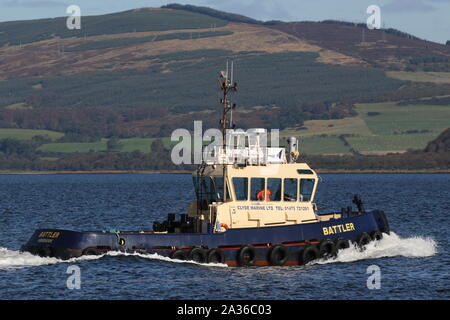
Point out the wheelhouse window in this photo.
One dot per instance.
(209, 190)
(241, 188)
(257, 189)
(218, 181)
(274, 189)
(306, 189)
(204, 189)
(290, 189)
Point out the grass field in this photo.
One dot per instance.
(393, 143)
(419, 76)
(71, 147)
(330, 127)
(27, 134)
(396, 119)
(323, 145)
(128, 145)
(390, 128)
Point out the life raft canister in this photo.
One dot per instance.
(262, 195)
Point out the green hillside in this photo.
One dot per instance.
(139, 20)
(129, 79)
(292, 87)
(377, 128)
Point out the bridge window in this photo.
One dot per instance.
(257, 189)
(204, 189)
(306, 189)
(209, 190)
(290, 189)
(274, 189)
(218, 181)
(241, 188)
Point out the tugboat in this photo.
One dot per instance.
(257, 211)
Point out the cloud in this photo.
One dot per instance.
(33, 4)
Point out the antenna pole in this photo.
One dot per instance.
(226, 85)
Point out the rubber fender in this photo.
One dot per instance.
(363, 239)
(376, 235)
(215, 256)
(309, 253)
(327, 249)
(246, 256)
(178, 255)
(198, 255)
(278, 255)
(342, 243)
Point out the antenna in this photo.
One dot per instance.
(232, 64)
(226, 86)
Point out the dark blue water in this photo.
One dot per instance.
(414, 261)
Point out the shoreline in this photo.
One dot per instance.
(324, 171)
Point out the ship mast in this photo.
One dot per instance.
(226, 85)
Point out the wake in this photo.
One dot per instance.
(10, 260)
(390, 246)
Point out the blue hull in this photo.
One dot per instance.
(66, 244)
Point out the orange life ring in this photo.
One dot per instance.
(224, 225)
(262, 194)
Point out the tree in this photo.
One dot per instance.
(113, 144)
(157, 146)
(448, 43)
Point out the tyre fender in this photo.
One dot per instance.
(198, 255)
(91, 252)
(327, 249)
(342, 243)
(278, 255)
(178, 255)
(363, 239)
(246, 256)
(309, 253)
(215, 256)
(376, 235)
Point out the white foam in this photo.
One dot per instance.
(389, 246)
(10, 259)
(155, 256)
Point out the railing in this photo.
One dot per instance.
(244, 155)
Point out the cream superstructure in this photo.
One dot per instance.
(263, 189)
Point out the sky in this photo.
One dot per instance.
(426, 19)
